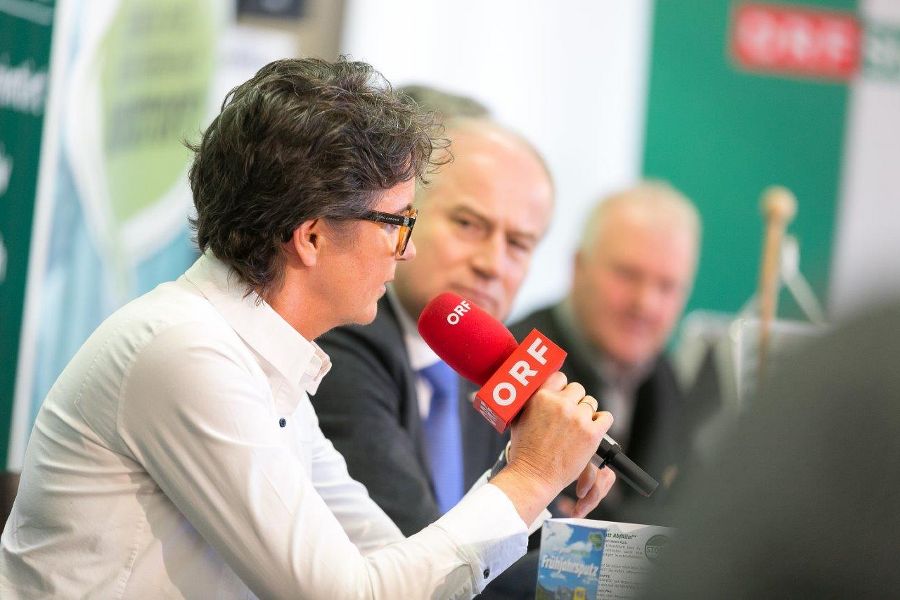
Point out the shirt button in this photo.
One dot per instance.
(487, 573)
(282, 421)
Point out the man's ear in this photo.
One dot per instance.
(306, 241)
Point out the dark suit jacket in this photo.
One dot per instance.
(655, 439)
(367, 407)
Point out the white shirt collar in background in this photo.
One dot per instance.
(420, 353)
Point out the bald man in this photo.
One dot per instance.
(398, 415)
(633, 272)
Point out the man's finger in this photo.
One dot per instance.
(586, 480)
(602, 484)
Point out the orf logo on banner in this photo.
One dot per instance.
(788, 40)
(518, 378)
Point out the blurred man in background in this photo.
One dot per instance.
(633, 271)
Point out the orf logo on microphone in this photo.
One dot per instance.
(518, 378)
(458, 311)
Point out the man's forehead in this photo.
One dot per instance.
(669, 249)
(494, 168)
(627, 221)
(514, 222)
(479, 139)
(632, 233)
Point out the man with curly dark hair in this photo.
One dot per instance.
(178, 454)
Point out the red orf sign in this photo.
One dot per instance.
(796, 41)
(518, 378)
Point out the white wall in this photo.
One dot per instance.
(867, 241)
(570, 75)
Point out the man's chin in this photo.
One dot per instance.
(632, 358)
(368, 317)
(493, 306)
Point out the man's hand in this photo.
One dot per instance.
(553, 439)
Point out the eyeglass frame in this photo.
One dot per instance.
(376, 216)
(407, 221)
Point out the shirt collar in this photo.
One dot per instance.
(297, 359)
(420, 353)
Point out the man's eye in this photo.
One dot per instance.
(668, 287)
(626, 273)
(463, 222)
(520, 245)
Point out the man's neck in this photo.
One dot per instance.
(420, 355)
(608, 368)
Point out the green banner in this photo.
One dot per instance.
(25, 30)
(722, 134)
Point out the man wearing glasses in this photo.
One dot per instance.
(178, 455)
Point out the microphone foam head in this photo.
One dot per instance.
(466, 337)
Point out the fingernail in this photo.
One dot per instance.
(580, 491)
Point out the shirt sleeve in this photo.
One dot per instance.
(196, 413)
(538, 521)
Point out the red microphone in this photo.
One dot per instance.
(482, 349)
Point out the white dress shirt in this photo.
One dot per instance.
(178, 456)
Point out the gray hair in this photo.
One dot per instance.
(445, 105)
(657, 197)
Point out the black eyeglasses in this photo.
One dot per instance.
(404, 222)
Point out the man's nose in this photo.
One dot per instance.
(646, 296)
(488, 257)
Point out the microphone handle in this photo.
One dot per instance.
(610, 454)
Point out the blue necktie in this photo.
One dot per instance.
(443, 439)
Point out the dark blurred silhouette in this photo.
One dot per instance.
(803, 500)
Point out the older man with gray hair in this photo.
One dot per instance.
(633, 272)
